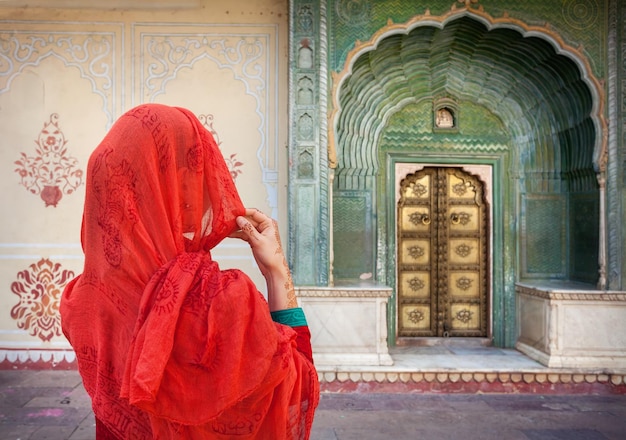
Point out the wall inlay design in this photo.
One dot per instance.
(305, 54)
(39, 290)
(580, 14)
(306, 165)
(165, 56)
(51, 172)
(304, 19)
(305, 127)
(353, 12)
(91, 53)
(305, 91)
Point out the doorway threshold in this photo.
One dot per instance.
(443, 342)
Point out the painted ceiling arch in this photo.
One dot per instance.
(540, 93)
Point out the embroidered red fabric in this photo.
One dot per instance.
(168, 345)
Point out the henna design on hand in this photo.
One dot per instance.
(289, 287)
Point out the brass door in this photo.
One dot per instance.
(442, 254)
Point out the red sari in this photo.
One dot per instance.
(168, 345)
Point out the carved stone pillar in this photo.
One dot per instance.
(308, 160)
(616, 161)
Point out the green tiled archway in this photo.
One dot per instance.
(540, 95)
(544, 146)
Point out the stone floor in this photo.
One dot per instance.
(434, 393)
(52, 405)
(470, 417)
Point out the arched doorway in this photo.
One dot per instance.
(523, 104)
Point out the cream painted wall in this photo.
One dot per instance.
(67, 73)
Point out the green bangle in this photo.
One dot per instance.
(291, 317)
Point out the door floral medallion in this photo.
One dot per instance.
(442, 264)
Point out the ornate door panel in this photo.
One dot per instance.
(442, 254)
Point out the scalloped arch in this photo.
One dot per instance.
(541, 88)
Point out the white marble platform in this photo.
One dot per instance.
(462, 359)
(569, 325)
(348, 324)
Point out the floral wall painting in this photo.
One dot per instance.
(39, 290)
(51, 172)
(232, 162)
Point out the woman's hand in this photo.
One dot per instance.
(261, 233)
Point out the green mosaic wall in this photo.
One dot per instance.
(584, 221)
(354, 246)
(544, 226)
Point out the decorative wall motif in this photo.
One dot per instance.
(51, 172)
(92, 53)
(306, 165)
(245, 56)
(305, 91)
(305, 127)
(39, 290)
(304, 19)
(464, 316)
(231, 160)
(353, 12)
(580, 14)
(305, 54)
(463, 250)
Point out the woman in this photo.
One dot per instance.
(168, 345)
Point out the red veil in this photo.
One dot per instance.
(168, 345)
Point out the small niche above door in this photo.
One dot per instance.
(445, 115)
